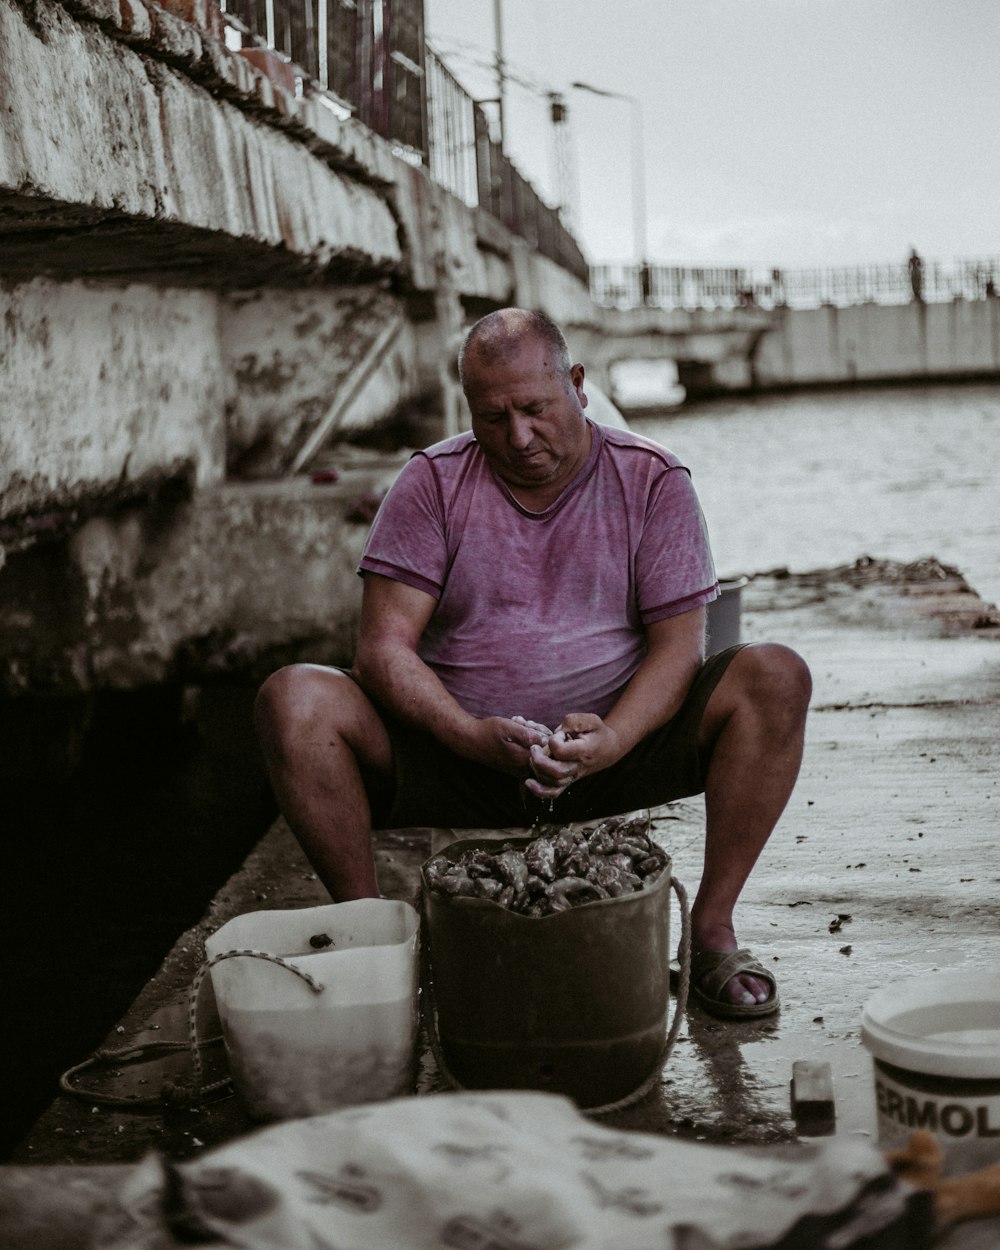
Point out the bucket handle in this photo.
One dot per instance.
(680, 1007)
(172, 1094)
(316, 987)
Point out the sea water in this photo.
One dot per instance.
(816, 479)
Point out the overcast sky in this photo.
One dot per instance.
(777, 132)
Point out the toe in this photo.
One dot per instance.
(748, 990)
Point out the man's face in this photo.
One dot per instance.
(527, 415)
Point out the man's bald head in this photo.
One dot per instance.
(500, 335)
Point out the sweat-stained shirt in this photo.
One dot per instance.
(541, 613)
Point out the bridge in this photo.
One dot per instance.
(738, 329)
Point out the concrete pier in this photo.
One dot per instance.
(861, 343)
(884, 866)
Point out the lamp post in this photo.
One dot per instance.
(501, 68)
(638, 166)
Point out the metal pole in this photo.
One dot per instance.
(501, 74)
(638, 185)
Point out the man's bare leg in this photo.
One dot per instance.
(754, 726)
(321, 736)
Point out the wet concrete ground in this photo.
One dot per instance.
(885, 865)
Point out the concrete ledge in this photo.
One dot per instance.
(233, 582)
(150, 132)
(164, 32)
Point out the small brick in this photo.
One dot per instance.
(135, 19)
(813, 1105)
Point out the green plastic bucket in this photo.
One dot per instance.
(573, 1003)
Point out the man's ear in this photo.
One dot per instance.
(576, 375)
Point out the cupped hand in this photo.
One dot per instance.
(583, 744)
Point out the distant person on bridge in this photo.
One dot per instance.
(532, 643)
(916, 267)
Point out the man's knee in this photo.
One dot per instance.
(296, 695)
(775, 676)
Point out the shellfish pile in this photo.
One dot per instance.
(554, 871)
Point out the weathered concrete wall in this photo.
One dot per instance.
(295, 357)
(873, 342)
(205, 280)
(233, 582)
(107, 392)
(100, 136)
(137, 151)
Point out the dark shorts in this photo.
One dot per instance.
(435, 787)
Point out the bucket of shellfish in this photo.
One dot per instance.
(547, 961)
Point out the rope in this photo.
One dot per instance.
(107, 1056)
(171, 1093)
(311, 981)
(680, 1007)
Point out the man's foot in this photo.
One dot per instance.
(747, 985)
(719, 981)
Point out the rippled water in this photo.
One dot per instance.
(817, 479)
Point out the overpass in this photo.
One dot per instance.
(811, 327)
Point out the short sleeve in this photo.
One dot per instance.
(407, 538)
(674, 567)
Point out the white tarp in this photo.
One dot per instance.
(508, 1171)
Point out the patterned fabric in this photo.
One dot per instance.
(511, 1171)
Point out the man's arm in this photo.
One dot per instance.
(389, 669)
(675, 650)
(584, 743)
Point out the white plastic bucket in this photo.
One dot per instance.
(935, 1041)
(294, 1050)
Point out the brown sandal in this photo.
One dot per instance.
(710, 970)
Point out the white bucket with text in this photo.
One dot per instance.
(935, 1041)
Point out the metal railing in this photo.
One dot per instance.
(372, 58)
(451, 132)
(689, 288)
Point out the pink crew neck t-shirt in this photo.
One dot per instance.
(541, 613)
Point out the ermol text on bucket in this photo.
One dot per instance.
(935, 1042)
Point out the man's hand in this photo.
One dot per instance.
(582, 744)
(505, 743)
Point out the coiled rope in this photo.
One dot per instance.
(171, 1094)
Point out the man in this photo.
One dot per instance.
(532, 642)
(916, 268)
